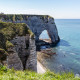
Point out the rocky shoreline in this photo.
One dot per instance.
(41, 56)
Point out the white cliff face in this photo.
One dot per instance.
(13, 60)
(32, 59)
(38, 24)
(23, 55)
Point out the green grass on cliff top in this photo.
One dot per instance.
(9, 30)
(11, 74)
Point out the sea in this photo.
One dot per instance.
(67, 58)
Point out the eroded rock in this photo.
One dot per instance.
(23, 55)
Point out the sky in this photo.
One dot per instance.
(59, 9)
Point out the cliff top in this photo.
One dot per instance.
(15, 17)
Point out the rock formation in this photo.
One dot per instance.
(17, 46)
(38, 23)
(23, 55)
(32, 60)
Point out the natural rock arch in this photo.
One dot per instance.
(37, 25)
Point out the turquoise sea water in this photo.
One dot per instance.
(68, 49)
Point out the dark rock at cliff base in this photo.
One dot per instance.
(42, 44)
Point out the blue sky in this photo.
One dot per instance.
(55, 8)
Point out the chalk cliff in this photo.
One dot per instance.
(17, 46)
(37, 23)
(23, 54)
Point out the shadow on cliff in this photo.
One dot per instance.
(63, 43)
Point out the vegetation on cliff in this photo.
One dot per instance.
(3, 55)
(8, 31)
(20, 17)
(11, 74)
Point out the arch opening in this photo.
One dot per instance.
(44, 36)
(44, 40)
